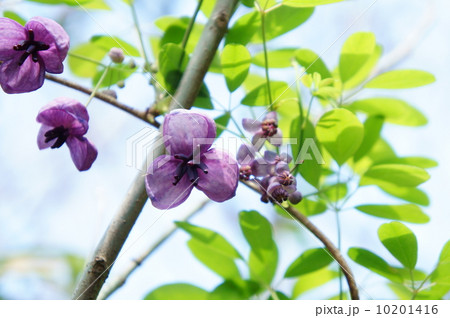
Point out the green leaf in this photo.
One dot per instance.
(312, 63)
(212, 239)
(313, 280)
(393, 110)
(170, 67)
(397, 174)
(308, 3)
(277, 22)
(87, 4)
(372, 130)
(310, 261)
(234, 290)
(114, 74)
(263, 258)
(259, 95)
(355, 53)
(235, 62)
(179, 291)
(341, 133)
(280, 58)
(420, 162)
(310, 208)
(223, 121)
(14, 16)
(280, 296)
(400, 242)
(399, 79)
(374, 263)
(207, 7)
(410, 194)
(406, 212)
(217, 261)
(365, 70)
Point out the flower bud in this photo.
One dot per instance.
(110, 92)
(116, 55)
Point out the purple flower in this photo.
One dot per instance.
(28, 52)
(190, 162)
(249, 164)
(277, 162)
(267, 129)
(65, 120)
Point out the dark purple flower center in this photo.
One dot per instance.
(245, 172)
(31, 47)
(279, 195)
(269, 127)
(59, 133)
(285, 178)
(187, 166)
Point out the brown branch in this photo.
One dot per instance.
(111, 288)
(203, 55)
(109, 247)
(143, 115)
(332, 249)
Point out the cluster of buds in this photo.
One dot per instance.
(271, 172)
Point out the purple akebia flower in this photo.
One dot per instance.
(26, 53)
(65, 120)
(280, 185)
(266, 129)
(249, 164)
(190, 162)
(276, 161)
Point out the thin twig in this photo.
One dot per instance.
(332, 249)
(148, 118)
(121, 279)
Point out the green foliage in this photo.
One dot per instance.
(400, 242)
(393, 111)
(313, 280)
(310, 208)
(277, 22)
(341, 133)
(280, 58)
(14, 16)
(405, 212)
(259, 95)
(222, 121)
(88, 4)
(310, 261)
(399, 79)
(263, 257)
(179, 291)
(355, 53)
(396, 174)
(312, 62)
(235, 62)
(308, 3)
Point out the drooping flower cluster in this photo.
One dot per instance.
(190, 162)
(65, 120)
(276, 181)
(27, 52)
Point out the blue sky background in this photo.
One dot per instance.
(46, 204)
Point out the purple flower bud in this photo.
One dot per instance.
(65, 120)
(171, 177)
(28, 52)
(116, 55)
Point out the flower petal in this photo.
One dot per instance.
(12, 33)
(25, 78)
(183, 128)
(251, 125)
(246, 154)
(51, 33)
(270, 156)
(272, 115)
(277, 139)
(66, 112)
(159, 183)
(41, 138)
(82, 151)
(220, 183)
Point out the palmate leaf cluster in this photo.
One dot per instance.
(347, 129)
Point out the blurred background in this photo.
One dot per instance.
(52, 216)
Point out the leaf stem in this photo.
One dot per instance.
(139, 33)
(99, 83)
